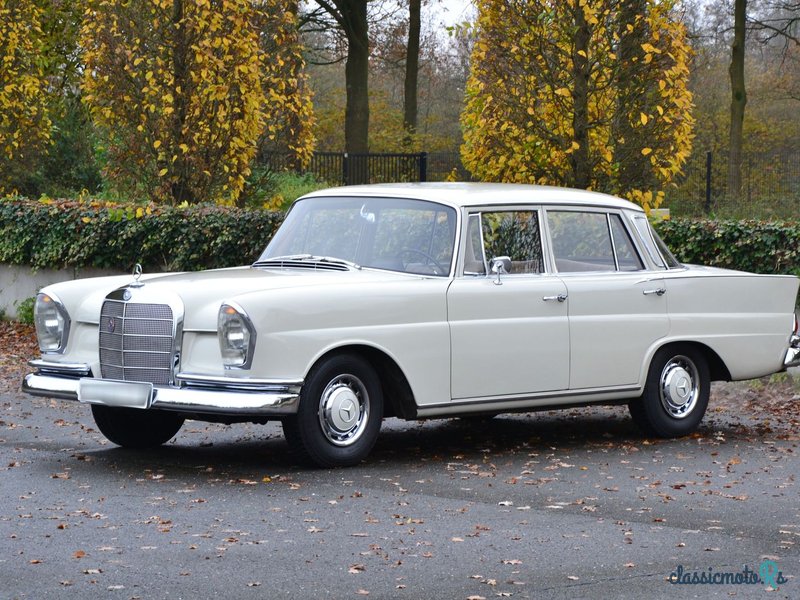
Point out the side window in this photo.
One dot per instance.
(646, 235)
(515, 234)
(627, 258)
(474, 261)
(581, 241)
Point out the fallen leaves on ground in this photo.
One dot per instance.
(17, 346)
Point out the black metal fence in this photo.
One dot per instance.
(341, 168)
(770, 186)
(770, 180)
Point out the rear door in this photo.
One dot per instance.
(617, 308)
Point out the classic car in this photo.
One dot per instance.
(416, 301)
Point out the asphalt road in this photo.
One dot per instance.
(569, 504)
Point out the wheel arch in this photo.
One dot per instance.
(397, 394)
(718, 371)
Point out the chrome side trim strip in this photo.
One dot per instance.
(527, 402)
(536, 396)
(237, 383)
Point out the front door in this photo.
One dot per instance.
(509, 333)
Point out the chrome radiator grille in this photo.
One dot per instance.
(136, 342)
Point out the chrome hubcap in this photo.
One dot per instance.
(679, 387)
(344, 410)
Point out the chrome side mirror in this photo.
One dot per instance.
(499, 265)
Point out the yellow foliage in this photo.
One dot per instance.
(290, 119)
(524, 104)
(24, 124)
(200, 88)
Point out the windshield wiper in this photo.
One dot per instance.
(307, 257)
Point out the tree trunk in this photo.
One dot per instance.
(738, 100)
(581, 166)
(412, 71)
(351, 17)
(356, 116)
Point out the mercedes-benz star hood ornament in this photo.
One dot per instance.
(137, 273)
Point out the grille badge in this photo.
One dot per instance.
(112, 325)
(126, 295)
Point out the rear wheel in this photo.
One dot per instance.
(340, 413)
(675, 395)
(136, 428)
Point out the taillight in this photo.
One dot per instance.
(796, 325)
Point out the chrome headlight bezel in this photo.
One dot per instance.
(52, 323)
(237, 336)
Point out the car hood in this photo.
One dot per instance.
(202, 292)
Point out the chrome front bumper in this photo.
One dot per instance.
(793, 353)
(192, 394)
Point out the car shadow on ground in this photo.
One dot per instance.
(241, 451)
(505, 433)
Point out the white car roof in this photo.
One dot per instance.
(461, 194)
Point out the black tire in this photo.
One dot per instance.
(675, 395)
(340, 413)
(136, 428)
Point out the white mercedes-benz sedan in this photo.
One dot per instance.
(416, 301)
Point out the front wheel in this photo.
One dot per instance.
(340, 413)
(134, 427)
(675, 395)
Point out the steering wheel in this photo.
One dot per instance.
(438, 269)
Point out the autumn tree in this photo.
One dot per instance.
(71, 164)
(443, 65)
(24, 123)
(178, 87)
(583, 93)
(770, 21)
(290, 111)
(350, 18)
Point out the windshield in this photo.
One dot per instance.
(413, 236)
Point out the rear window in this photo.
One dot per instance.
(654, 245)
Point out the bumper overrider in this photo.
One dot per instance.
(192, 393)
(793, 353)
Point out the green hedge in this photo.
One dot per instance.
(54, 234)
(755, 246)
(57, 234)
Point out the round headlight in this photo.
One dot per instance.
(52, 323)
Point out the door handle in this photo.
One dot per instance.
(657, 292)
(560, 298)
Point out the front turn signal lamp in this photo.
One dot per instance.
(52, 324)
